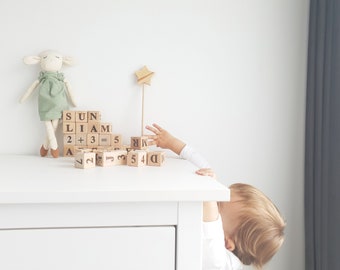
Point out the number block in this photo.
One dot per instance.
(69, 139)
(92, 139)
(120, 157)
(155, 158)
(116, 141)
(85, 160)
(137, 158)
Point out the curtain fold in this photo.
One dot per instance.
(322, 154)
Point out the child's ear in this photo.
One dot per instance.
(32, 60)
(229, 244)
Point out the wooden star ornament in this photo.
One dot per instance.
(144, 76)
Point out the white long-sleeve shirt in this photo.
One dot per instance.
(214, 254)
(194, 157)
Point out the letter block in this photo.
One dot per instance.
(69, 151)
(137, 158)
(105, 128)
(140, 143)
(93, 127)
(81, 116)
(155, 158)
(105, 158)
(69, 127)
(84, 160)
(93, 116)
(81, 127)
(69, 116)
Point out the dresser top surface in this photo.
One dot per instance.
(32, 179)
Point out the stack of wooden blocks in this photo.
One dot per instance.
(92, 143)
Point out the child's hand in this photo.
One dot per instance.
(206, 172)
(164, 139)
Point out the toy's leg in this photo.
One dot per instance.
(51, 141)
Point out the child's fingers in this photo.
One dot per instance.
(157, 126)
(152, 129)
(206, 172)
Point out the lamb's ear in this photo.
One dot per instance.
(32, 60)
(67, 60)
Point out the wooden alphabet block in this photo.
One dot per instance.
(120, 157)
(69, 151)
(155, 158)
(93, 116)
(105, 158)
(139, 142)
(104, 139)
(81, 116)
(137, 158)
(93, 127)
(69, 139)
(81, 139)
(81, 127)
(105, 128)
(116, 140)
(69, 127)
(92, 139)
(69, 116)
(85, 160)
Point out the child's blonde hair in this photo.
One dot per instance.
(260, 231)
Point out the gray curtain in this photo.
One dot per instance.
(322, 163)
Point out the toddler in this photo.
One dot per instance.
(247, 230)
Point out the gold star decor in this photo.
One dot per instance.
(144, 76)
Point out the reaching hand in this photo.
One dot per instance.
(164, 139)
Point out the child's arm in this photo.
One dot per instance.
(164, 139)
(210, 209)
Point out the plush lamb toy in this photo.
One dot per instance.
(54, 95)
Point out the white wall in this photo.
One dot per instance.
(230, 80)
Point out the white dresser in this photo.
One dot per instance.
(54, 216)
